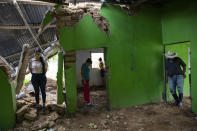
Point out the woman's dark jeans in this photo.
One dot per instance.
(39, 83)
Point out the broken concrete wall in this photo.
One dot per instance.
(179, 24)
(68, 17)
(134, 53)
(7, 109)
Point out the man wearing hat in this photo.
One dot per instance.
(176, 74)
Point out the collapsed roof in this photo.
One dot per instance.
(14, 32)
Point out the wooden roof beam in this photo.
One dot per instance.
(37, 3)
(23, 27)
(30, 2)
(25, 21)
(17, 54)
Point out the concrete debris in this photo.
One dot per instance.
(115, 122)
(121, 114)
(29, 89)
(125, 123)
(53, 116)
(40, 125)
(20, 113)
(92, 125)
(107, 130)
(51, 97)
(104, 123)
(31, 115)
(21, 95)
(61, 128)
(70, 16)
(20, 103)
(51, 124)
(58, 108)
(59, 121)
(141, 129)
(68, 122)
(25, 123)
(108, 116)
(116, 117)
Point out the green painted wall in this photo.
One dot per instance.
(179, 24)
(135, 43)
(82, 36)
(7, 111)
(60, 98)
(71, 90)
(13, 96)
(182, 50)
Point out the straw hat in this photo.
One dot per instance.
(171, 54)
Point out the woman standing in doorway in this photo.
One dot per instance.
(38, 68)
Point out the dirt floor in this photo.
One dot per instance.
(148, 117)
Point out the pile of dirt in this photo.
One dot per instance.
(149, 117)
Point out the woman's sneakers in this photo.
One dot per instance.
(180, 104)
(44, 107)
(38, 107)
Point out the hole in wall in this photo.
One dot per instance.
(97, 82)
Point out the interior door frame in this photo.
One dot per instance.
(164, 96)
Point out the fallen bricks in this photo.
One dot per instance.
(68, 17)
(31, 115)
(21, 112)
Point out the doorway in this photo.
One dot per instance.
(183, 51)
(98, 89)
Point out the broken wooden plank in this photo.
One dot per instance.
(23, 27)
(24, 60)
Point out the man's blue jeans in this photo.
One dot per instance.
(176, 81)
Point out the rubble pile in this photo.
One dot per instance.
(142, 117)
(27, 113)
(69, 16)
(39, 119)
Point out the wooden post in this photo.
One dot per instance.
(23, 63)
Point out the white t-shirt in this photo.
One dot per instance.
(36, 66)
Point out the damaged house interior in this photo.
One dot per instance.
(103, 65)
